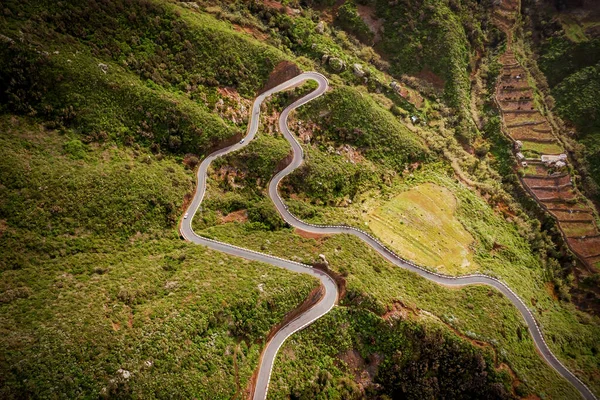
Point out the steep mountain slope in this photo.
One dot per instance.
(567, 40)
(108, 106)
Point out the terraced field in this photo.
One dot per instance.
(542, 157)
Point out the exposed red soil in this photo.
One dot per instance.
(553, 194)
(328, 13)
(3, 226)
(284, 71)
(187, 199)
(548, 181)
(594, 261)
(515, 85)
(338, 278)
(398, 310)
(588, 247)
(232, 106)
(367, 14)
(278, 6)
(573, 216)
(551, 290)
(503, 208)
(435, 80)
(252, 31)
(569, 207)
(309, 235)
(516, 96)
(236, 216)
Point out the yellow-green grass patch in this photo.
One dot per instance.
(543, 148)
(421, 225)
(573, 229)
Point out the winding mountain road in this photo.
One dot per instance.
(331, 292)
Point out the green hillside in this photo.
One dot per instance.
(108, 106)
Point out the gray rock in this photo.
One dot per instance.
(124, 374)
(171, 285)
(336, 64)
(320, 27)
(103, 67)
(358, 70)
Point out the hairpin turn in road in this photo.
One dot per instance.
(331, 292)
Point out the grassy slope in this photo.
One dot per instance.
(374, 284)
(346, 115)
(162, 70)
(499, 249)
(421, 225)
(432, 36)
(93, 277)
(96, 279)
(147, 69)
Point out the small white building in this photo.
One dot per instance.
(560, 164)
(520, 156)
(554, 158)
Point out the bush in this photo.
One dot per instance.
(348, 19)
(265, 213)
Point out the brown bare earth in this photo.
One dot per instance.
(367, 14)
(553, 181)
(435, 80)
(551, 185)
(284, 71)
(236, 216)
(308, 235)
(252, 31)
(3, 226)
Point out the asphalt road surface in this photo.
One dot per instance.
(331, 292)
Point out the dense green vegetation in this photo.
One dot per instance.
(502, 248)
(346, 115)
(154, 90)
(94, 278)
(438, 37)
(374, 285)
(348, 19)
(154, 39)
(571, 64)
(404, 358)
(107, 106)
(260, 158)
